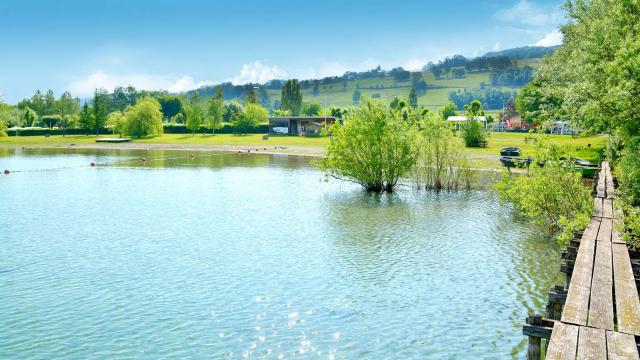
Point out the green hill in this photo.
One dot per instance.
(387, 87)
(493, 78)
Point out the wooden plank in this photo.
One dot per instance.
(607, 208)
(597, 207)
(621, 346)
(627, 301)
(591, 232)
(576, 307)
(592, 343)
(563, 343)
(601, 304)
(605, 230)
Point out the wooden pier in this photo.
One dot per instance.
(596, 314)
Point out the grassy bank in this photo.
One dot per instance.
(486, 158)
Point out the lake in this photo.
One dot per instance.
(260, 256)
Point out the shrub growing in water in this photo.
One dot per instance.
(374, 148)
(442, 162)
(552, 196)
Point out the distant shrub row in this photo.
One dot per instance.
(168, 129)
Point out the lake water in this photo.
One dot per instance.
(231, 256)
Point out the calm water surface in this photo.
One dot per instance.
(230, 256)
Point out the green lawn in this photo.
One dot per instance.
(182, 139)
(498, 141)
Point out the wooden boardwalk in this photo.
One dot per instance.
(600, 306)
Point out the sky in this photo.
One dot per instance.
(77, 46)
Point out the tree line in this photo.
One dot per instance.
(491, 98)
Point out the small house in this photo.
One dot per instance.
(300, 125)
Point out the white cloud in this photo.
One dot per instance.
(257, 72)
(551, 39)
(414, 64)
(531, 14)
(100, 79)
(186, 83)
(477, 52)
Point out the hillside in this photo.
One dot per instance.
(524, 52)
(387, 87)
(435, 83)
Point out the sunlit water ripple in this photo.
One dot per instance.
(253, 256)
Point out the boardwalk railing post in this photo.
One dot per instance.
(533, 349)
(557, 298)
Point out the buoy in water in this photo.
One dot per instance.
(7, 172)
(93, 164)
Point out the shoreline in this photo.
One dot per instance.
(304, 151)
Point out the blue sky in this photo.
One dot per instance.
(179, 45)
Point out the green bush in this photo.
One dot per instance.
(374, 148)
(627, 172)
(631, 231)
(473, 134)
(552, 197)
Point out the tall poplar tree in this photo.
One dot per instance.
(291, 98)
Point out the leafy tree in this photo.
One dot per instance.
(30, 117)
(538, 105)
(194, 116)
(374, 148)
(472, 131)
(67, 107)
(144, 118)
(100, 103)
(85, 119)
(49, 104)
(123, 97)
(337, 112)
(253, 116)
(11, 116)
(413, 99)
(171, 106)
(49, 120)
(448, 109)
(117, 122)
(179, 118)
(312, 109)
(291, 98)
(356, 97)
(215, 112)
(251, 97)
(233, 110)
(219, 93)
(397, 104)
(3, 128)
